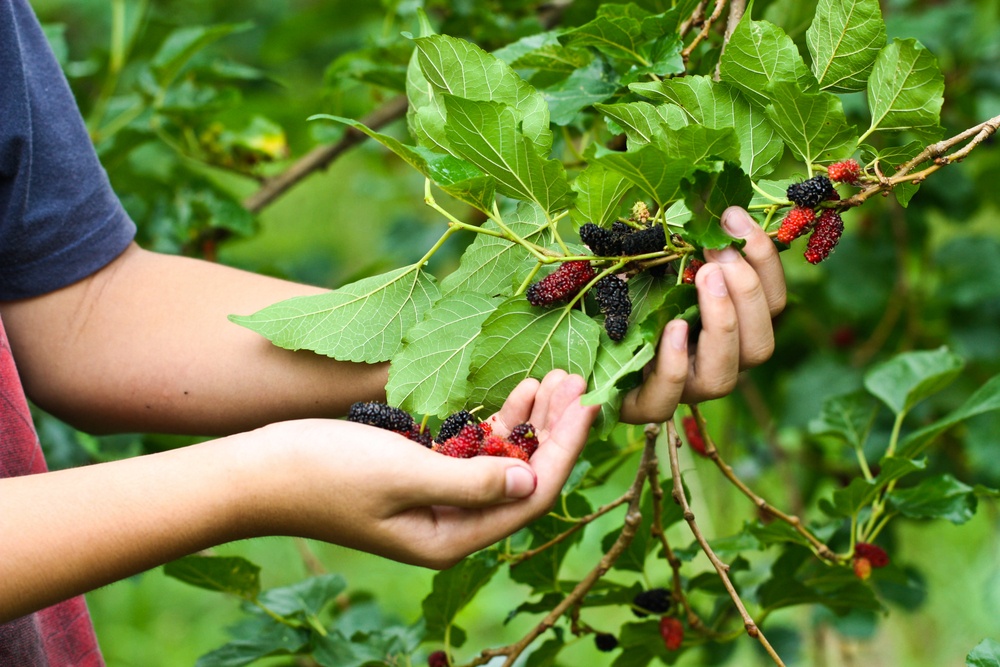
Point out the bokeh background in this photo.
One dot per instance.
(902, 279)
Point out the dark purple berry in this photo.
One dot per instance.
(650, 239)
(382, 416)
(653, 601)
(605, 642)
(811, 192)
(453, 424)
(561, 284)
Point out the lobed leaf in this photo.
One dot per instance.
(812, 125)
(848, 417)
(906, 90)
(599, 193)
(232, 574)
(759, 54)
(653, 171)
(938, 497)
(844, 39)
(519, 341)
(428, 376)
(454, 588)
(985, 654)
(584, 87)
(255, 638)
(488, 134)
(363, 321)
(985, 399)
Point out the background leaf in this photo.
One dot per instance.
(844, 40)
(908, 378)
(906, 90)
(226, 574)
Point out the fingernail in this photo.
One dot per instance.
(737, 223)
(724, 256)
(677, 333)
(520, 482)
(716, 283)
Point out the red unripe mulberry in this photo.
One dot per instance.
(672, 631)
(847, 171)
(691, 270)
(524, 437)
(464, 445)
(795, 224)
(437, 659)
(825, 236)
(561, 284)
(875, 554)
(693, 434)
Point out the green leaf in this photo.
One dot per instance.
(710, 195)
(519, 341)
(860, 492)
(718, 105)
(938, 497)
(985, 399)
(653, 171)
(812, 125)
(760, 54)
(633, 558)
(909, 378)
(663, 303)
(462, 69)
(614, 364)
(584, 87)
(488, 134)
(454, 588)
(618, 37)
(642, 121)
(428, 376)
(554, 57)
(363, 321)
(306, 597)
(985, 654)
(255, 638)
(599, 195)
(848, 417)
(460, 179)
(700, 144)
(234, 575)
(336, 650)
(489, 265)
(180, 45)
(541, 571)
(799, 578)
(844, 40)
(906, 90)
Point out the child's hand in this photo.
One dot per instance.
(374, 490)
(738, 295)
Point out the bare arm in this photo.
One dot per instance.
(337, 481)
(144, 345)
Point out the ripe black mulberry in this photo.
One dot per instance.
(382, 416)
(650, 239)
(653, 601)
(453, 424)
(810, 192)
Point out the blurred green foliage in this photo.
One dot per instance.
(186, 140)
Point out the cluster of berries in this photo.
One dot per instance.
(461, 436)
(655, 601)
(389, 418)
(868, 556)
(827, 227)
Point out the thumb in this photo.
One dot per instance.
(475, 482)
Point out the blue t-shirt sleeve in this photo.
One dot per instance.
(60, 221)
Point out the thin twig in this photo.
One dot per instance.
(694, 621)
(673, 443)
(314, 566)
(696, 19)
(320, 157)
(974, 135)
(712, 452)
(633, 519)
(736, 10)
(580, 523)
(705, 29)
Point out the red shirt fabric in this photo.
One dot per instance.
(62, 635)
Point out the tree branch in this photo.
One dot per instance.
(705, 29)
(320, 157)
(673, 443)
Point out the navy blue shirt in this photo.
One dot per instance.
(59, 219)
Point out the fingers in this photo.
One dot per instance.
(477, 482)
(517, 408)
(756, 336)
(760, 253)
(715, 363)
(656, 399)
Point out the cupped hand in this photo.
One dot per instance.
(373, 490)
(738, 295)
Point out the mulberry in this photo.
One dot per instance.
(524, 437)
(453, 424)
(825, 236)
(875, 554)
(437, 659)
(602, 242)
(382, 416)
(653, 601)
(464, 445)
(693, 434)
(422, 436)
(561, 284)
(612, 296)
(847, 171)
(691, 270)
(640, 211)
(795, 224)
(811, 192)
(862, 568)
(605, 642)
(672, 631)
(650, 239)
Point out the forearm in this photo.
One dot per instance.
(67, 532)
(145, 345)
